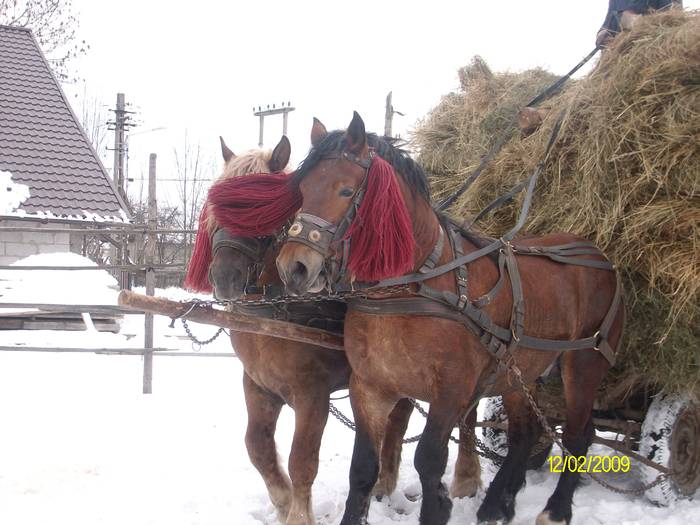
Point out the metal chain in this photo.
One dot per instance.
(555, 438)
(206, 341)
(280, 300)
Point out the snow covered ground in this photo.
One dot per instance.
(80, 445)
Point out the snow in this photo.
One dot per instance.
(12, 194)
(57, 286)
(81, 445)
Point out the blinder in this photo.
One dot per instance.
(252, 247)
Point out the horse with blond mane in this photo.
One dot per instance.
(277, 371)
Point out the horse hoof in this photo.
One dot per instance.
(464, 488)
(545, 518)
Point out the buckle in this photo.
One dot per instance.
(462, 302)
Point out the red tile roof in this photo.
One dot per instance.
(41, 141)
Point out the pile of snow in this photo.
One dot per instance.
(12, 194)
(57, 286)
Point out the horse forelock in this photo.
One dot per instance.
(252, 161)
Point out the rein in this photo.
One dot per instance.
(498, 145)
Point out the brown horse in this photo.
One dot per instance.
(279, 371)
(369, 201)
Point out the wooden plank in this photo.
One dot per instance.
(235, 321)
(150, 274)
(130, 267)
(61, 350)
(77, 308)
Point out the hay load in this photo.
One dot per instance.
(625, 172)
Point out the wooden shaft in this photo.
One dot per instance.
(235, 321)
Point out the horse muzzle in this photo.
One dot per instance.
(301, 269)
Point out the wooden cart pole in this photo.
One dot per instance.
(233, 320)
(150, 274)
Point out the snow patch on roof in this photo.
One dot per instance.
(12, 194)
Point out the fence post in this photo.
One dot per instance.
(150, 274)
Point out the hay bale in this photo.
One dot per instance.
(625, 173)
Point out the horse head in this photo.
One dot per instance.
(355, 222)
(228, 261)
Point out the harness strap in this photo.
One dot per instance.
(517, 317)
(434, 256)
(491, 294)
(461, 271)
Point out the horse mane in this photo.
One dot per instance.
(197, 278)
(387, 148)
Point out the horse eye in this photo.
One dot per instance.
(346, 192)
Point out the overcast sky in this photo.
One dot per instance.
(203, 66)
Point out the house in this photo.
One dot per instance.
(43, 147)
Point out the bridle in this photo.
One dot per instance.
(254, 248)
(324, 237)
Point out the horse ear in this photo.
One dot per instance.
(318, 132)
(225, 151)
(280, 155)
(356, 135)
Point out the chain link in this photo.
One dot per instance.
(206, 341)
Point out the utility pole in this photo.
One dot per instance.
(389, 115)
(262, 113)
(120, 125)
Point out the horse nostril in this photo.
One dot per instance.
(299, 273)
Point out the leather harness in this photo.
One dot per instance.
(499, 341)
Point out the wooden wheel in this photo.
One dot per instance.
(671, 437)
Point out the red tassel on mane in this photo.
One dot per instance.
(382, 232)
(197, 278)
(254, 205)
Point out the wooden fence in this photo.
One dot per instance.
(124, 271)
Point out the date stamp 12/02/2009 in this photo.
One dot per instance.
(584, 464)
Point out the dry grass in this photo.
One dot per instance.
(625, 173)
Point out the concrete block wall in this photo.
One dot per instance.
(17, 245)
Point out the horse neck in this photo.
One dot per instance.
(425, 223)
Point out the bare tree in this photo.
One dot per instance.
(193, 168)
(54, 25)
(93, 119)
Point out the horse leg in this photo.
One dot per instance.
(467, 476)
(391, 448)
(371, 408)
(263, 411)
(430, 461)
(523, 432)
(310, 416)
(582, 371)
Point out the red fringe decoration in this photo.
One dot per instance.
(197, 278)
(382, 232)
(254, 205)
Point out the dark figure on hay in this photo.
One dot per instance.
(622, 15)
(437, 359)
(279, 371)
